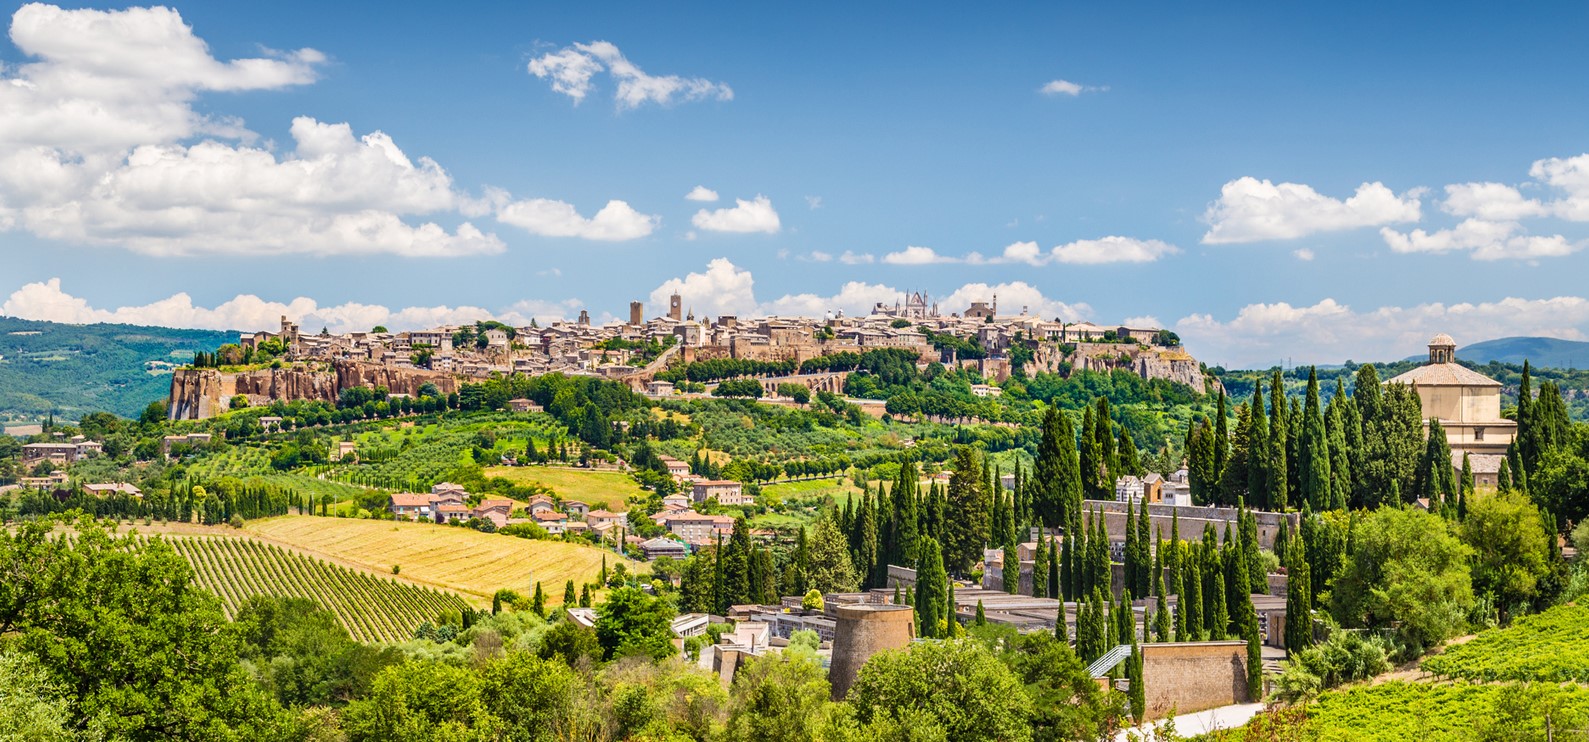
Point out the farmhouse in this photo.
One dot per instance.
(726, 491)
(77, 449)
(410, 505)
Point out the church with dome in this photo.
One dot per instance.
(1467, 404)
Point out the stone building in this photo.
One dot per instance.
(1467, 404)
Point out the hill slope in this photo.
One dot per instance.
(76, 369)
(371, 608)
(468, 561)
(1539, 351)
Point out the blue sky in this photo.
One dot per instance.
(1191, 166)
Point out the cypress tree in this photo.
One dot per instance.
(802, 562)
(1101, 559)
(1217, 623)
(1313, 450)
(568, 594)
(931, 590)
(1222, 452)
(537, 604)
(1108, 457)
(1138, 691)
(1233, 479)
(1129, 457)
(1130, 564)
(1299, 602)
(1503, 477)
(1259, 449)
(1339, 423)
(866, 564)
(1012, 568)
(1278, 468)
(1053, 569)
(1200, 462)
(1056, 472)
(906, 515)
(1067, 566)
(1192, 598)
(1161, 612)
(1040, 569)
(965, 533)
(982, 617)
(1089, 454)
(1060, 631)
(951, 616)
(584, 596)
(1254, 661)
(1145, 543)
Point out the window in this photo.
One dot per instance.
(1478, 434)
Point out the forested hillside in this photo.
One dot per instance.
(72, 370)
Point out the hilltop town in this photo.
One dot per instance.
(637, 351)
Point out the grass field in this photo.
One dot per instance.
(371, 608)
(469, 562)
(599, 489)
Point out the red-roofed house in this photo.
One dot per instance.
(410, 506)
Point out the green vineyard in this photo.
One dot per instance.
(373, 609)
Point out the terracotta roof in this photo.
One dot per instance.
(549, 516)
(496, 502)
(410, 500)
(451, 508)
(1444, 374)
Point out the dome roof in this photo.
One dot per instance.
(1442, 339)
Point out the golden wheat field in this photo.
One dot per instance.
(473, 563)
(599, 489)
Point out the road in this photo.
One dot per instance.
(1202, 722)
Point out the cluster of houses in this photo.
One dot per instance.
(448, 503)
(582, 347)
(1155, 489)
(72, 450)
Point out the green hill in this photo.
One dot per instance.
(76, 369)
(1539, 351)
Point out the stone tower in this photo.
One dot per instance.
(637, 313)
(861, 631)
(1442, 349)
(676, 307)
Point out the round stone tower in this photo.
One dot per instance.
(861, 631)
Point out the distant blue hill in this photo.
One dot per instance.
(1539, 351)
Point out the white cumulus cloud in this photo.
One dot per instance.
(1066, 87)
(701, 193)
(1014, 296)
(755, 215)
(616, 222)
(723, 288)
(1484, 240)
(1262, 335)
(1102, 251)
(915, 255)
(572, 71)
(1252, 210)
(246, 312)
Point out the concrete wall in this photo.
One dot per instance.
(1190, 677)
(861, 631)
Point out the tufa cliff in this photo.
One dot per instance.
(198, 393)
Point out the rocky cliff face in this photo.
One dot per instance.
(198, 393)
(1172, 364)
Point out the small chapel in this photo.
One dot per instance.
(1467, 404)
